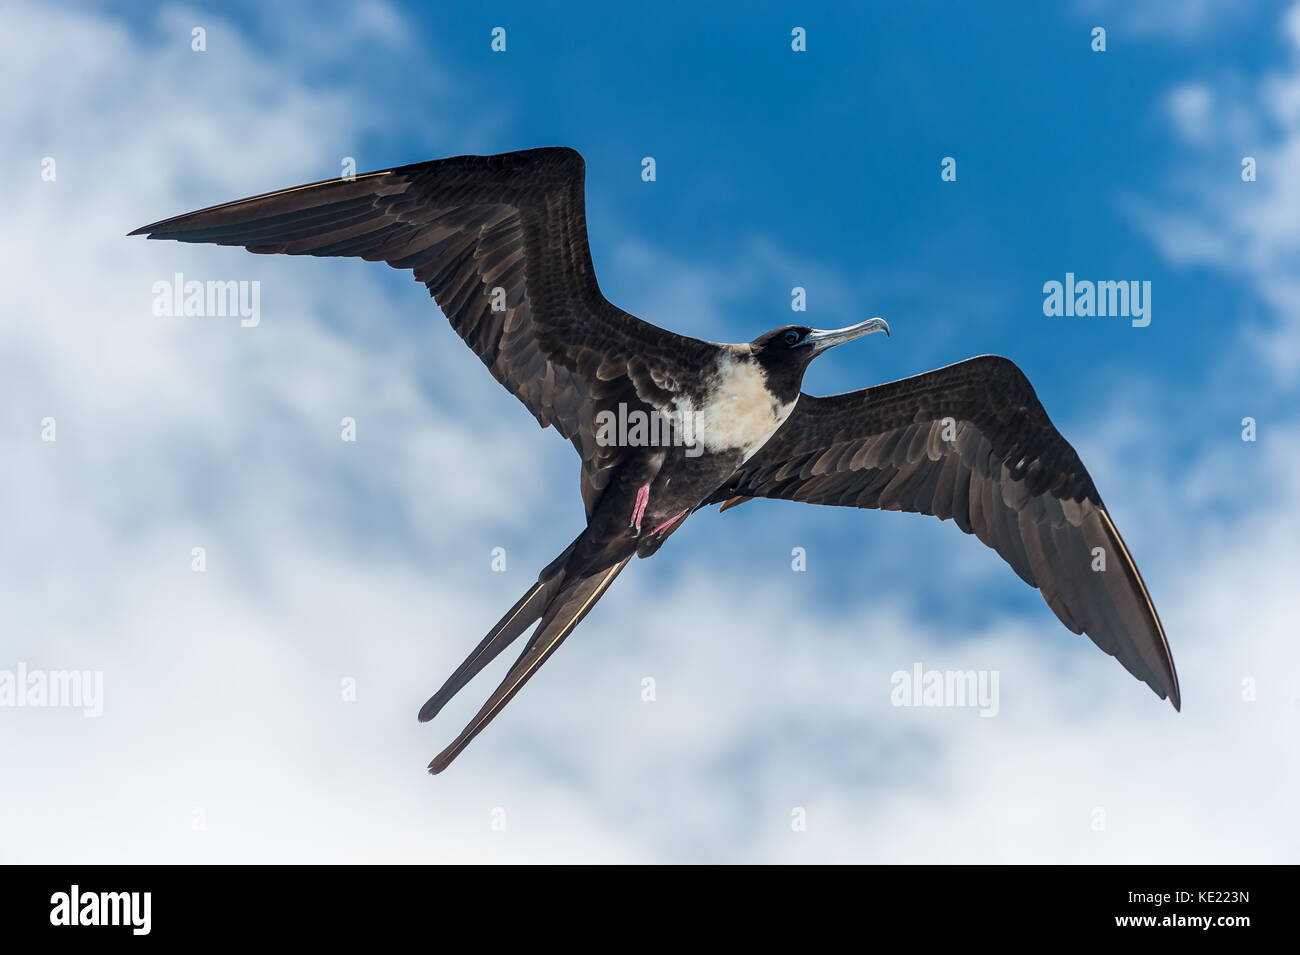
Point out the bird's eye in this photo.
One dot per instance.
(792, 337)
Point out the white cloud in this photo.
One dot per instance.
(1189, 107)
(1250, 230)
(1182, 20)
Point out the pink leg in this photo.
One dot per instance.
(668, 523)
(638, 510)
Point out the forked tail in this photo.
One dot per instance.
(559, 601)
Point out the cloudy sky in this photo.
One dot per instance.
(225, 735)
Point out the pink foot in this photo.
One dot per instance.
(668, 523)
(638, 510)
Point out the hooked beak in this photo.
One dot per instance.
(822, 340)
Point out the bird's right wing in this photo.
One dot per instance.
(501, 243)
(971, 442)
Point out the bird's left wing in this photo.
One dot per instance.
(971, 442)
(501, 243)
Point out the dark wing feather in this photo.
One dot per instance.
(971, 442)
(501, 243)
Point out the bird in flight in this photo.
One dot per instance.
(666, 424)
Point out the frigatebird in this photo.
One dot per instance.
(501, 243)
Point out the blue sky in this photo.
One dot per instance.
(774, 169)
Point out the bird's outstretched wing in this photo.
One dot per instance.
(501, 243)
(971, 442)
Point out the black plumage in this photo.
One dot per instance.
(971, 442)
(501, 243)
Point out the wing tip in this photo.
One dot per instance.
(156, 230)
(1168, 688)
(1165, 684)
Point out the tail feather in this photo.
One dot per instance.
(566, 610)
(526, 611)
(519, 618)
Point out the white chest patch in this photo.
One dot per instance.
(739, 414)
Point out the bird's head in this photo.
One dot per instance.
(786, 352)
